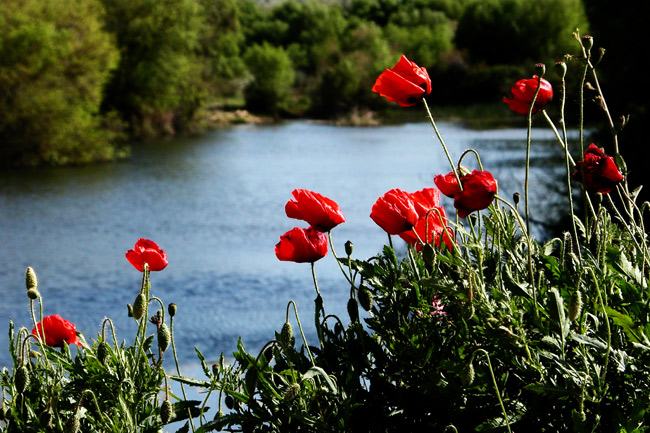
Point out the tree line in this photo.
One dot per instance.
(80, 77)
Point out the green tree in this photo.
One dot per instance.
(272, 77)
(54, 61)
(519, 31)
(220, 39)
(157, 86)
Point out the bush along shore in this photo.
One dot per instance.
(477, 327)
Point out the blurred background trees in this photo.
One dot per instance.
(76, 74)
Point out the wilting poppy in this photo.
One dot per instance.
(600, 171)
(146, 251)
(523, 92)
(302, 245)
(57, 331)
(405, 83)
(395, 212)
(322, 213)
(479, 190)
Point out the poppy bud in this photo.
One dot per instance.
(129, 310)
(171, 309)
(353, 310)
(429, 256)
(139, 306)
(286, 335)
(164, 337)
(219, 414)
(250, 380)
(467, 376)
(72, 425)
(102, 351)
(365, 298)
(575, 305)
(166, 411)
(31, 282)
(292, 392)
(46, 417)
(33, 294)
(21, 379)
(215, 369)
(349, 247)
(516, 197)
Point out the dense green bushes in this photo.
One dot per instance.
(61, 76)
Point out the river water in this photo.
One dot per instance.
(215, 203)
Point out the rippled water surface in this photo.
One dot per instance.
(215, 203)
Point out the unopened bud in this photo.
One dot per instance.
(102, 351)
(215, 369)
(139, 306)
(72, 425)
(171, 309)
(21, 379)
(166, 411)
(250, 380)
(516, 197)
(129, 310)
(292, 392)
(467, 376)
(365, 298)
(33, 294)
(575, 305)
(428, 255)
(46, 417)
(164, 337)
(353, 310)
(286, 335)
(349, 247)
(31, 282)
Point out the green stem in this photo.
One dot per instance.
(302, 334)
(329, 236)
(178, 370)
(496, 388)
(528, 140)
(442, 142)
(318, 309)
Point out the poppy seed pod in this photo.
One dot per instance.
(349, 247)
(171, 309)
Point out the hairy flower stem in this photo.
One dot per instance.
(609, 331)
(41, 340)
(318, 307)
(349, 278)
(530, 250)
(302, 333)
(442, 142)
(496, 387)
(178, 370)
(528, 140)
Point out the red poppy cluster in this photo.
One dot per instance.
(478, 192)
(57, 331)
(308, 245)
(405, 83)
(416, 217)
(523, 93)
(598, 171)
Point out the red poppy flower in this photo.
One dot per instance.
(600, 171)
(431, 227)
(405, 83)
(302, 245)
(523, 92)
(322, 213)
(146, 251)
(479, 189)
(395, 212)
(57, 331)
